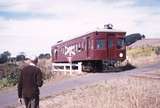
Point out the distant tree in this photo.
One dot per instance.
(3, 58)
(41, 56)
(22, 53)
(20, 57)
(7, 53)
(13, 59)
(46, 56)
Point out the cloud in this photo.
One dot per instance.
(150, 3)
(24, 15)
(35, 25)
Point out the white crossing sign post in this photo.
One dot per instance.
(70, 61)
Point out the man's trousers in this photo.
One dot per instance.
(31, 102)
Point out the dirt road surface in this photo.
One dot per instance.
(9, 98)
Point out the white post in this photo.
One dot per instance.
(79, 67)
(70, 61)
(65, 73)
(70, 68)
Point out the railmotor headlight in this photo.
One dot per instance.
(120, 54)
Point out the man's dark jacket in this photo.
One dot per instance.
(29, 81)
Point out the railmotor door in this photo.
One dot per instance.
(87, 47)
(111, 40)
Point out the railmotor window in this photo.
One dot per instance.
(120, 43)
(100, 44)
(110, 43)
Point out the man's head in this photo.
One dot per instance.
(27, 61)
(35, 61)
(31, 60)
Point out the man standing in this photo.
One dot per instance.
(29, 82)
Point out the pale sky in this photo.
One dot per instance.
(33, 26)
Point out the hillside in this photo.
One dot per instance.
(146, 42)
(144, 52)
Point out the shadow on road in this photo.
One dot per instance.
(127, 67)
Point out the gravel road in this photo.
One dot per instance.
(10, 97)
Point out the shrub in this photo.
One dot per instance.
(46, 67)
(157, 50)
(142, 52)
(11, 74)
(3, 83)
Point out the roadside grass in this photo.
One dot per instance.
(126, 92)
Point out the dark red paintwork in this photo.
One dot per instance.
(85, 47)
